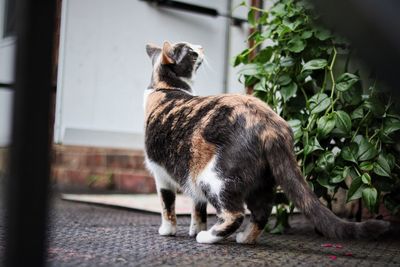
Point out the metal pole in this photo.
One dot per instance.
(227, 47)
(27, 188)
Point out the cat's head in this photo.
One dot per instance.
(174, 65)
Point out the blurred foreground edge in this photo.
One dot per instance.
(27, 191)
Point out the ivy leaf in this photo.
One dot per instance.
(366, 150)
(287, 62)
(366, 178)
(343, 122)
(315, 64)
(250, 70)
(324, 181)
(322, 34)
(312, 146)
(306, 34)
(369, 197)
(358, 113)
(319, 103)
(349, 153)
(381, 167)
(346, 81)
(325, 124)
(326, 161)
(288, 91)
(260, 86)
(339, 174)
(284, 79)
(296, 45)
(391, 125)
(355, 190)
(366, 166)
(296, 128)
(251, 18)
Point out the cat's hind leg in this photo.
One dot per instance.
(259, 202)
(228, 223)
(199, 218)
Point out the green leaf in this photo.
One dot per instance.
(343, 122)
(366, 150)
(326, 161)
(325, 124)
(287, 62)
(296, 127)
(353, 96)
(319, 103)
(288, 91)
(278, 9)
(366, 166)
(339, 174)
(349, 153)
(355, 190)
(366, 178)
(358, 113)
(260, 86)
(264, 55)
(322, 34)
(312, 146)
(284, 79)
(251, 18)
(250, 69)
(369, 197)
(296, 45)
(324, 181)
(315, 64)
(391, 125)
(306, 34)
(346, 81)
(382, 167)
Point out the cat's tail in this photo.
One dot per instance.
(287, 174)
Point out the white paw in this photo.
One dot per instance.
(241, 238)
(167, 228)
(196, 228)
(207, 237)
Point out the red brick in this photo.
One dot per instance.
(95, 160)
(134, 183)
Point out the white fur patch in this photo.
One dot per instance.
(207, 237)
(196, 227)
(146, 94)
(209, 177)
(163, 179)
(167, 228)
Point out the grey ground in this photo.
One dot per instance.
(88, 235)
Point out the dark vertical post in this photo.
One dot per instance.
(258, 4)
(27, 188)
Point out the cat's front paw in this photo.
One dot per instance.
(207, 237)
(197, 228)
(167, 229)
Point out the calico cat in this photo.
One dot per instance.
(228, 150)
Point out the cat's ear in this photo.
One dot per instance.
(151, 49)
(167, 51)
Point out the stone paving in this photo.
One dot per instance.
(88, 235)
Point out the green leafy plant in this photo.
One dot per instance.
(343, 124)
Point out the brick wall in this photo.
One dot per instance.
(100, 169)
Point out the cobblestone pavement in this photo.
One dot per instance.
(88, 235)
